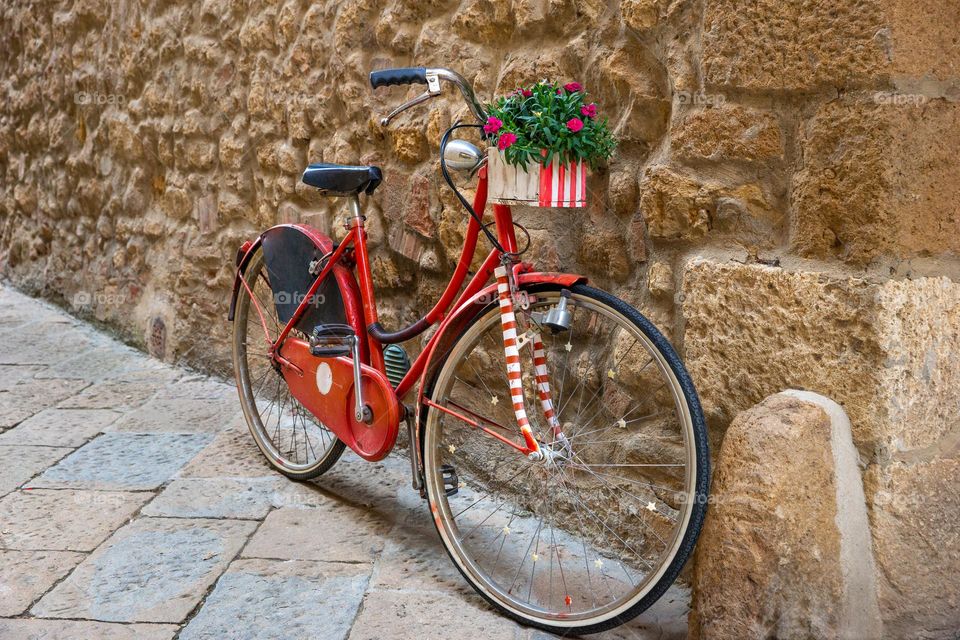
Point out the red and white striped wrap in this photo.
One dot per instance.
(543, 383)
(563, 185)
(508, 321)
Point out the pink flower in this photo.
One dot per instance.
(589, 110)
(526, 93)
(559, 92)
(574, 124)
(493, 125)
(506, 140)
(573, 86)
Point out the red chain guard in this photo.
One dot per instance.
(326, 390)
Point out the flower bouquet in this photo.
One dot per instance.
(542, 139)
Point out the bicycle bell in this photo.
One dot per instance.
(462, 156)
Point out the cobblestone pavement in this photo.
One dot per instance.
(134, 504)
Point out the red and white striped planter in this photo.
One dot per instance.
(556, 185)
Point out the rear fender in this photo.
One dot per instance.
(244, 254)
(349, 289)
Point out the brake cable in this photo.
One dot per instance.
(463, 201)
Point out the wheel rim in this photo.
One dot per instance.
(569, 564)
(286, 432)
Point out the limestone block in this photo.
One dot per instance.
(914, 506)
(795, 46)
(677, 206)
(886, 352)
(785, 549)
(660, 279)
(673, 206)
(923, 39)
(881, 176)
(641, 15)
(728, 132)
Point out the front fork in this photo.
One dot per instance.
(508, 298)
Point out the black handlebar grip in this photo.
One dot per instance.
(406, 75)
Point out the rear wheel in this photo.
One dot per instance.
(293, 440)
(588, 540)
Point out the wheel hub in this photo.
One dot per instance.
(556, 453)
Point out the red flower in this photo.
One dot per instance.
(506, 140)
(573, 86)
(526, 93)
(589, 110)
(493, 125)
(574, 124)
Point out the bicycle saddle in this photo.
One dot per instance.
(342, 180)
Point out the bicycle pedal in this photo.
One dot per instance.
(451, 483)
(332, 340)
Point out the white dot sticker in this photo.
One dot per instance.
(324, 378)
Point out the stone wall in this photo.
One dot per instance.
(784, 203)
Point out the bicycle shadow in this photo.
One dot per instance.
(413, 558)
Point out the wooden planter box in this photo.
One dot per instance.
(556, 185)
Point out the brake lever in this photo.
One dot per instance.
(433, 90)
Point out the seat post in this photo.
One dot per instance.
(355, 214)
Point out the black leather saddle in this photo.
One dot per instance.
(341, 180)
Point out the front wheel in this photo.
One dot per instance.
(596, 532)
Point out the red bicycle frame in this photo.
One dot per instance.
(356, 238)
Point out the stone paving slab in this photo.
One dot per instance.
(20, 463)
(11, 374)
(17, 308)
(81, 630)
(27, 575)
(181, 415)
(152, 570)
(383, 487)
(23, 400)
(410, 560)
(199, 388)
(43, 342)
(60, 427)
(143, 368)
(120, 395)
(232, 454)
(95, 364)
(332, 531)
(265, 599)
(248, 498)
(131, 461)
(64, 519)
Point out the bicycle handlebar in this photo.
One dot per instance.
(429, 77)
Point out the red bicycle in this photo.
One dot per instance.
(554, 431)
